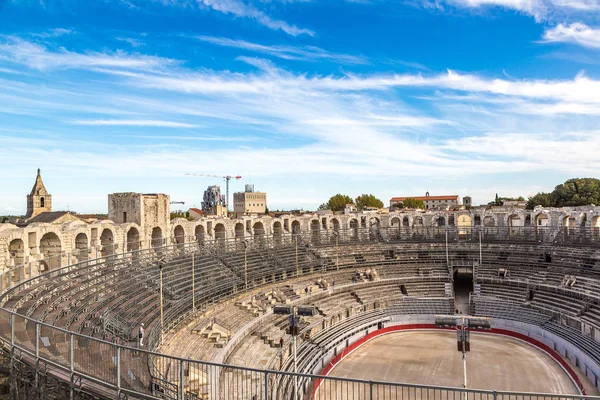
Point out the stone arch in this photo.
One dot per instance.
(440, 220)
(277, 233)
(258, 229)
(395, 222)
(16, 252)
(239, 230)
(51, 249)
(374, 221)
(42, 202)
(569, 222)
(488, 221)
(220, 233)
(81, 246)
(515, 220)
(405, 221)
(133, 239)
(418, 222)
(200, 232)
(107, 242)
(542, 220)
(464, 223)
(296, 229)
(179, 234)
(315, 230)
(596, 227)
(335, 223)
(157, 237)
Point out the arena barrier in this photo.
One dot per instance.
(410, 327)
(108, 370)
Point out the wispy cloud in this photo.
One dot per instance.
(580, 5)
(303, 53)
(133, 122)
(53, 33)
(243, 10)
(576, 33)
(132, 42)
(36, 56)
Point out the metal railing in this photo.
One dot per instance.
(113, 371)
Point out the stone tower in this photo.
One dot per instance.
(38, 201)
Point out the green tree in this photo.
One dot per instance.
(367, 200)
(413, 203)
(574, 192)
(336, 203)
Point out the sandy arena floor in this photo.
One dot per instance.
(431, 358)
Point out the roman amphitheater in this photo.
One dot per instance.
(210, 293)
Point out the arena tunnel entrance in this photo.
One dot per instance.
(463, 286)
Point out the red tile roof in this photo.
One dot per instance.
(197, 211)
(426, 198)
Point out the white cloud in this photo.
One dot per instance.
(305, 53)
(241, 9)
(579, 5)
(132, 42)
(35, 56)
(535, 8)
(576, 33)
(133, 122)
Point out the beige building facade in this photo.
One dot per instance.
(249, 203)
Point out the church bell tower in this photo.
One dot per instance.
(38, 201)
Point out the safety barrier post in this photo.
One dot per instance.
(181, 381)
(118, 373)
(71, 367)
(266, 385)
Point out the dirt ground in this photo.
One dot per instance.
(431, 358)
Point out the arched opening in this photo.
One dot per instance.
(50, 248)
(259, 233)
(441, 221)
(541, 220)
(16, 251)
(418, 222)
(42, 202)
(405, 221)
(374, 231)
(199, 233)
(451, 220)
(133, 239)
(258, 229)
(107, 243)
(315, 231)
(488, 221)
(157, 237)
(335, 224)
(515, 223)
(239, 230)
(464, 225)
(354, 228)
(277, 233)
(220, 233)
(395, 222)
(596, 227)
(179, 234)
(81, 247)
(569, 224)
(295, 227)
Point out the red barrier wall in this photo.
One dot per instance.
(397, 328)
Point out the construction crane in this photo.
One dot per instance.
(227, 179)
(178, 202)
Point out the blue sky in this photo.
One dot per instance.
(303, 98)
